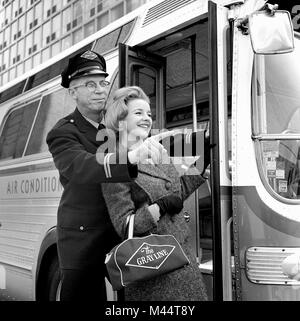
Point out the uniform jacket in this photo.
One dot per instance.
(84, 229)
(152, 183)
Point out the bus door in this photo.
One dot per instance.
(174, 70)
(220, 78)
(164, 70)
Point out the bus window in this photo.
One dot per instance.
(277, 120)
(16, 130)
(53, 107)
(12, 92)
(145, 77)
(111, 40)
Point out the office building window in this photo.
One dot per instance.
(12, 74)
(89, 29)
(47, 9)
(22, 6)
(13, 54)
(28, 44)
(38, 11)
(133, 4)
(65, 2)
(1, 42)
(14, 31)
(77, 36)
(5, 78)
(29, 19)
(117, 12)
(46, 54)
(106, 4)
(21, 48)
(89, 9)
(15, 8)
(20, 69)
(77, 14)
(55, 49)
(67, 18)
(46, 34)
(21, 26)
(6, 38)
(1, 19)
(66, 42)
(5, 63)
(8, 14)
(102, 21)
(28, 64)
(37, 39)
(36, 59)
(56, 26)
(56, 5)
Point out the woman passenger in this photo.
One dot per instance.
(156, 197)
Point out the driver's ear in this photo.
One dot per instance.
(72, 93)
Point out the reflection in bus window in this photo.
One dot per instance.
(145, 77)
(53, 107)
(16, 130)
(277, 112)
(281, 163)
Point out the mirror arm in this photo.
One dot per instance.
(243, 25)
(270, 8)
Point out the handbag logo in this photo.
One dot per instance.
(150, 256)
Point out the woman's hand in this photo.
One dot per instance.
(171, 204)
(150, 148)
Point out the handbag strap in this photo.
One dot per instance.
(130, 225)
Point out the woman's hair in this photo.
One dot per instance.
(118, 109)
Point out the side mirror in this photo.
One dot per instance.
(271, 33)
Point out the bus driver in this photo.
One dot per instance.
(84, 230)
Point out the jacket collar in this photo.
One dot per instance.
(82, 124)
(85, 127)
(154, 170)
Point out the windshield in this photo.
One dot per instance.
(276, 98)
(278, 92)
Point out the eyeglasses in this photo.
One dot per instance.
(92, 85)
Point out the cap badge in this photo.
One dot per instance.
(89, 55)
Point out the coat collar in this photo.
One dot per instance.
(154, 170)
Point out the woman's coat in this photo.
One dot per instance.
(152, 183)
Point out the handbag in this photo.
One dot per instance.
(142, 258)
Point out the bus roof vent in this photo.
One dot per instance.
(162, 9)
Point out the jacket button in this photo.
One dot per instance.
(81, 228)
(168, 185)
(186, 216)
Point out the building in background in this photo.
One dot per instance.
(32, 31)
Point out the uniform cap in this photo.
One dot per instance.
(83, 64)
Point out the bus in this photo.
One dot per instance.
(196, 60)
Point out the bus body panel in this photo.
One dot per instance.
(259, 220)
(29, 200)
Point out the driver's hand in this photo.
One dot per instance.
(150, 149)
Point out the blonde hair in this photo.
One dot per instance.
(118, 109)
